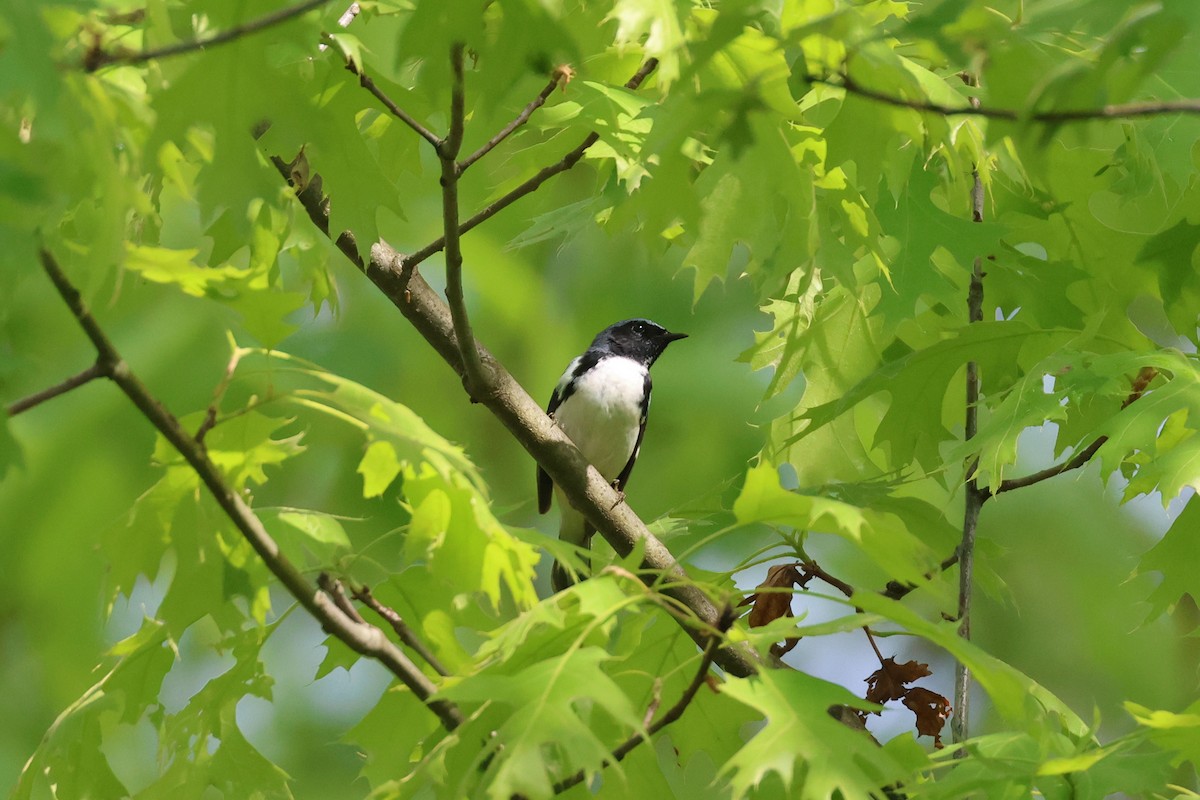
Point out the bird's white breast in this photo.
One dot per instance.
(603, 414)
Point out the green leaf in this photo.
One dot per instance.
(163, 265)
(319, 537)
(390, 749)
(918, 383)
(916, 230)
(454, 533)
(814, 755)
(656, 26)
(379, 467)
(733, 209)
(883, 536)
(10, 448)
(544, 722)
(1177, 557)
(243, 446)
(70, 760)
(1177, 733)
(382, 420)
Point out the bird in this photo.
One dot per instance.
(601, 403)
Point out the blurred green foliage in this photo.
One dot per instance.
(817, 247)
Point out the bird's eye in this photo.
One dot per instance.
(639, 327)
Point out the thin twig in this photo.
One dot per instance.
(975, 494)
(531, 184)
(97, 57)
(559, 76)
(50, 392)
(210, 415)
(396, 111)
(815, 570)
(364, 639)
(1106, 112)
(874, 646)
(1085, 455)
(406, 634)
(473, 374)
(671, 715)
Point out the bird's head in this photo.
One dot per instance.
(639, 339)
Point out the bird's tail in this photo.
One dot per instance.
(575, 530)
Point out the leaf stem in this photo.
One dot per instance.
(210, 415)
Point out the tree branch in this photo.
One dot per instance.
(975, 495)
(585, 488)
(1106, 112)
(1144, 376)
(532, 183)
(559, 76)
(97, 57)
(50, 392)
(364, 639)
(406, 634)
(671, 715)
(474, 377)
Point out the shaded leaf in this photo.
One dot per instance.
(813, 755)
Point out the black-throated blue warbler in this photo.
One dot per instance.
(601, 402)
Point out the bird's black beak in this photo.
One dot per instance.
(671, 337)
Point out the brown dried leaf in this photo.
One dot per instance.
(888, 682)
(772, 605)
(932, 711)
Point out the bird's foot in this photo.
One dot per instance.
(620, 495)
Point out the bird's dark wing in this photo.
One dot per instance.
(637, 446)
(545, 487)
